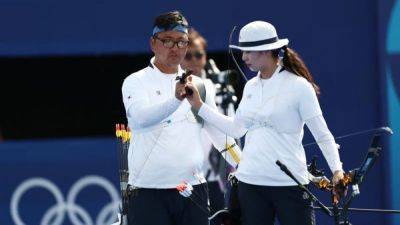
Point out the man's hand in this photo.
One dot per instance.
(180, 92)
(194, 99)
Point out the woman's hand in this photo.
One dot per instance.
(337, 176)
(339, 188)
(194, 99)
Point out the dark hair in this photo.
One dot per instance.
(195, 35)
(166, 20)
(294, 64)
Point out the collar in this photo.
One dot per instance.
(172, 76)
(273, 76)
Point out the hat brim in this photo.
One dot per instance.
(279, 44)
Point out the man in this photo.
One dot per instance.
(165, 148)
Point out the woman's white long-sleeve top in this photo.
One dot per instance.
(272, 114)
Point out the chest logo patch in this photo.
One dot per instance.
(158, 92)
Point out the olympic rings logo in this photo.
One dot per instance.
(55, 214)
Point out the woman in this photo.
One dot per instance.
(274, 108)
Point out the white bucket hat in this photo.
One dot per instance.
(259, 36)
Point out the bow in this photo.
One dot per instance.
(233, 56)
(354, 178)
(378, 130)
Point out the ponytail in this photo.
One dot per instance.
(294, 64)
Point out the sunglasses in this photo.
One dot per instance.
(197, 55)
